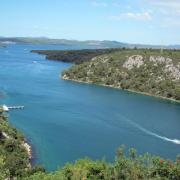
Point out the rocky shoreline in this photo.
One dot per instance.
(25, 144)
(16, 141)
(28, 149)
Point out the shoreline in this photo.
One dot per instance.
(26, 145)
(31, 150)
(127, 90)
(28, 148)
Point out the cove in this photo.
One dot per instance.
(66, 121)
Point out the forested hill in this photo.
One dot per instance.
(154, 72)
(73, 56)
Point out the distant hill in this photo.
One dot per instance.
(93, 43)
(46, 41)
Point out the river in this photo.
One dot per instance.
(65, 121)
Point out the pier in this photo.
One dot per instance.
(7, 108)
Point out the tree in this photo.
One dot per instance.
(4, 172)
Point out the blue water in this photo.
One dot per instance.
(65, 121)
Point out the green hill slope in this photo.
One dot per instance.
(152, 72)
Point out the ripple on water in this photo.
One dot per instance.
(2, 95)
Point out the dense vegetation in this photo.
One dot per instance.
(14, 158)
(14, 163)
(132, 167)
(74, 56)
(155, 72)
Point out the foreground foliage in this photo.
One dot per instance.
(14, 158)
(132, 167)
(14, 164)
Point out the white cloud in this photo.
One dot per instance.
(165, 3)
(112, 4)
(168, 23)
(166, 7)
(99, 4)
(166, 13)
(144, 16)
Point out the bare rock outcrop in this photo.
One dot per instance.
(134, 61)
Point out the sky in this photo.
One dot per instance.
(131, 21)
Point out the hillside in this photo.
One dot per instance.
(153, 72)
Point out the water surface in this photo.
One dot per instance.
(66, 121)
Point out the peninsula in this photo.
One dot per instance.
(154, 72)
(74, 56)
(147, 71)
